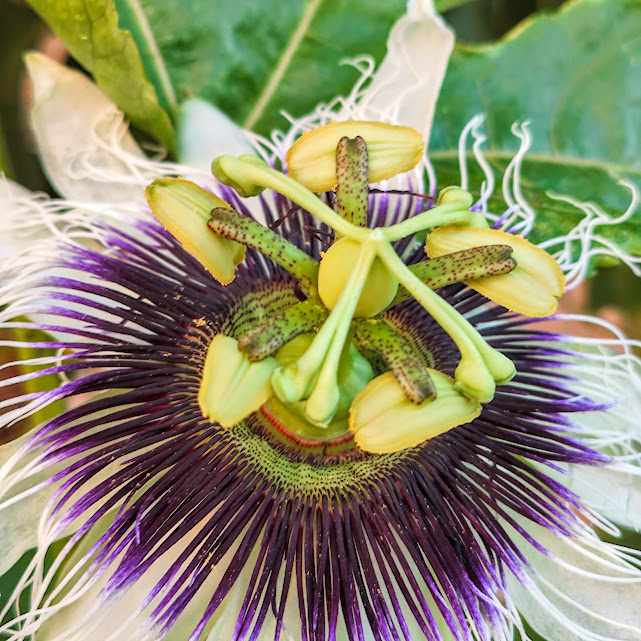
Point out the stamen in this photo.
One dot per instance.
(232, 387)
(267, 338)
(478, 262)
(378, 340)
(392, 150)
(183, 209)
(533, 288)
(481, 366)
(242, 229)
(383, 420)
(352, 172)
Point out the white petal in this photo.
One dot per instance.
(612, 492)
(85, 147)
(607, 376)
(205, 132)
(12, 197)
(584, 592)
(408, 81)
(19, 521)
(90, 618)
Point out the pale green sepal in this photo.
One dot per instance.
(90, 30)
(224, 167)
(86, 152)
(184, 208)
(582, 591)
(205, 132)
(383, 419)
(232, 387)
(354, 371)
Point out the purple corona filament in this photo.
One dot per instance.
(354, 540)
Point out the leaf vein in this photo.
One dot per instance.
(283, 63)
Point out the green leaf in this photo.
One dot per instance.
(90, 30)
(444, 5)
(576, 75)
(20, 29)
(253, 59)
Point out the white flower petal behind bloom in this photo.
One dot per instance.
(77, 129)
(14, 199)
(584, 590)
(18, 521)
(205, 132)
(611, 374)
(408, 81)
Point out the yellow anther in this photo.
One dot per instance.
(533, 288)
(183, 208)
(392, 150)
(383, 419)
(232, 387)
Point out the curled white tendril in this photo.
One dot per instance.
(580, 246)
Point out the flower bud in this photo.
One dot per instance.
(392, 150)
(383, 419)
(184, 208)
(232, 387)
(532, 288)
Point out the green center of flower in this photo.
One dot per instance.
(310, 364)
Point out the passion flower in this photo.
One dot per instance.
(179, 518)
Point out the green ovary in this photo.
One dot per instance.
(354, 373)
(336, 266)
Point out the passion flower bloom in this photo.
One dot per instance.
(248, 451)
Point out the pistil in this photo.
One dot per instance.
(453, 208)
(314, 375)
